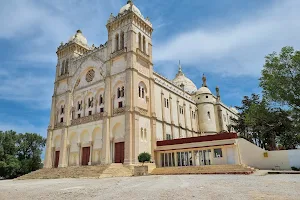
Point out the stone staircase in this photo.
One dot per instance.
(207, 169)
(116, 170)
(98, 171)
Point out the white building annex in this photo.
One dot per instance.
(109, 105)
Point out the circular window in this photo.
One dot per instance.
(90, 75)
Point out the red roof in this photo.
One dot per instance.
(207, 138)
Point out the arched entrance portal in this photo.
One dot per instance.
(118, 144)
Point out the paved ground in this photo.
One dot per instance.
(157, 187)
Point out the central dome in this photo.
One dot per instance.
(183, 82)
(134, 9)
(79, 38)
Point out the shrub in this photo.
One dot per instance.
(144, 157)
(295, 168)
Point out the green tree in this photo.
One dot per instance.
(30, 147)
(9, 163)
(19, 153)
(281, 77)
(144, 157)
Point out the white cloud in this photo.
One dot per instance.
(236, 49)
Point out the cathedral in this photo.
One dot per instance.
(109, 105)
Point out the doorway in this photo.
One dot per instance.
(85, 156)
(56, 162)
(119, 152)
(202, 157)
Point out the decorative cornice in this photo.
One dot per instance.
(87, 119)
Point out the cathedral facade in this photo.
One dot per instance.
(109, 105)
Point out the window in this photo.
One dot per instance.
(79, 115)
(79, 107)
(101, 99)
(168, 137)
(143, 93)
(218, 153)
(144, 44)
(207, 97)
(123, 92)
(145, 134)
(139, 91)
(90, 75)
(208, 115)
(90, 102)
(181, 110)
(67, 66)
(62, 110)
(140, 41)
(122, 40)
(119, 93)
(61, 120)
(101, 110)
(63, 68)
(90, 112)
(166, 103)
(117, 42)
(120, 104)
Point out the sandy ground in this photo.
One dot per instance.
(157, 187)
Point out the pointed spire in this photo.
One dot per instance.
(218, 94)
(204, 81)
(179, 70)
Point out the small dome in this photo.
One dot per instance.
(78, 38)
(134, 9)
(203, 90)
(182, 81)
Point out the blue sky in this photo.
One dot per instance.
(227, 40)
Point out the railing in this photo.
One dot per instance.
(119, 110)
(87, 119)
(142, 54)
(119, 52)
(60, 125)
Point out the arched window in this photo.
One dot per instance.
(119, 93)
(62, 109)
(144, 44)
(67, 66)
(140, 41)
(167, 103)
(143, 93)
(117, 42)
(123, 92)
(208, 115)
(122, 40)
(145, 134)
(142, 90)
(139, 91)
(63, 68)
(101, 99)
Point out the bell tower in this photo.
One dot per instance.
(130, 53)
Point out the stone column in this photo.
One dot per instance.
(185, 120)
(108, 109)
(79, 154)
(91, 153)
(48, 154)
(63, 148)
(172, 117)
(69, 148)
(163, 114)
(191, 119)
(176, 159)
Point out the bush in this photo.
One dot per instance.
(295, 168)
(144, 157)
